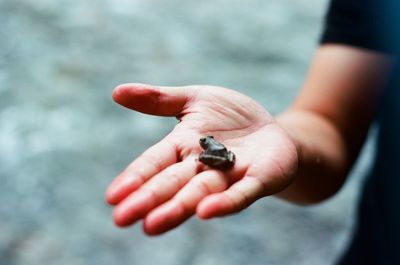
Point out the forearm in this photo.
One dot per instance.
(323, 157)
(331, 117)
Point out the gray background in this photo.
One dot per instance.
(62, 139)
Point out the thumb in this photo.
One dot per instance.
(154, 100)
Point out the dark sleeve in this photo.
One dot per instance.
(369, 24)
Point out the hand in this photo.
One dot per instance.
(166, 184)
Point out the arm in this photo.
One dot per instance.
(330, 118)
(303, 155)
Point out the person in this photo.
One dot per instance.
(307, 151)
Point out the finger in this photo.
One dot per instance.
(151, 162)
(258, 181)
(160, 188)
(239, 196)
(162, 101)
(183, 205)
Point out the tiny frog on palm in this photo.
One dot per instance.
(215, 154)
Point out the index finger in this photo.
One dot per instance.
(151, 162)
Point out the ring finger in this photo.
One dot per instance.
(183, 204)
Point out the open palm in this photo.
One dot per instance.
(167, 184)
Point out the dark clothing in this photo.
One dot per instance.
(369, 24)
(377, 235)
(373, 25)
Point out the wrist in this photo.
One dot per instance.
(323, 161)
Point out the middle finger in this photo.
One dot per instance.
(157, 190)
(183, 205)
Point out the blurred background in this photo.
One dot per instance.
(62, 139)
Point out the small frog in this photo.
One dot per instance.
(215, 154)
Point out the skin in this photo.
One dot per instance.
(306, 155)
